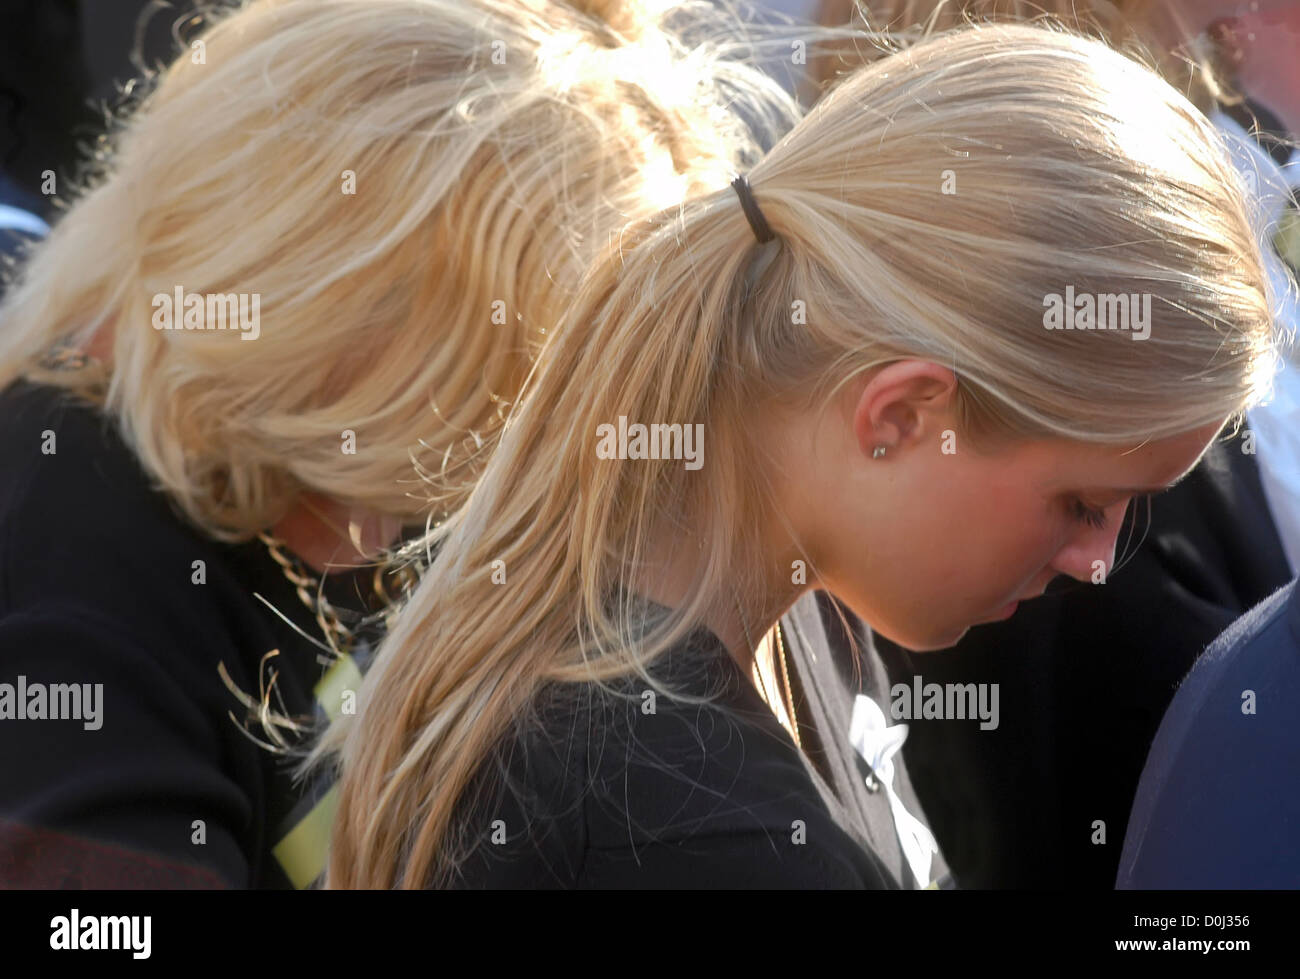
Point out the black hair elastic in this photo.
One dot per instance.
(752, 213)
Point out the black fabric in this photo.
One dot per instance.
(602, 793)
(43, 95)
(96, 586)
(1085, 676)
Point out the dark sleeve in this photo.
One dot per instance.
(111, 800)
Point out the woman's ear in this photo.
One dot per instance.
(898, 404)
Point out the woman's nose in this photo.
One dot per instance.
(1090, 554)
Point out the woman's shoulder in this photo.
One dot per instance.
(646, 787)
(74, 497)
(68, 462)
(105, 591)
(88, 545)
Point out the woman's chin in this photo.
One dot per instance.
(928, 642)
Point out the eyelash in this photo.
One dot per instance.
(1087, 515)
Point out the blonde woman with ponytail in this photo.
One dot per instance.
(398, 197)
(883, 399)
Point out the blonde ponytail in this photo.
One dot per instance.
(1072, 164)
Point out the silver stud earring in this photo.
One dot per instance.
(877, 452)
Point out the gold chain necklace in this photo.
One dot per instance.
(789, 691)
(340, 637)
(337, 634)
(757, 673)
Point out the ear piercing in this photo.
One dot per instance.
(877, 452)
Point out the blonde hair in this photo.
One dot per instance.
(493, 146)
(1193, 69)
(1106, 179)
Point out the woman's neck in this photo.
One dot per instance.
(741, 617)
(330, 536)
(743, 622)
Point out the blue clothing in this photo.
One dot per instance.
(1218, 805)
(18, 225)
